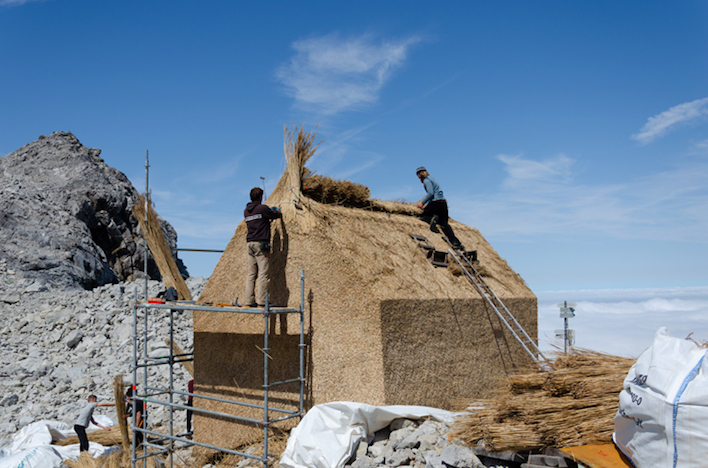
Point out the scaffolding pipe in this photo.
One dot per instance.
(266, 350)
(148, 392)
(302, 338)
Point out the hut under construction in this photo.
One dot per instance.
(383, 324)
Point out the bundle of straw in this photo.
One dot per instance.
(160, 249)
(103, 437)
(118, 392)
(571, 403)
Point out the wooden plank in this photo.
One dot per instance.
(597, 456)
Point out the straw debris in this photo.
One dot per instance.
(571, 403)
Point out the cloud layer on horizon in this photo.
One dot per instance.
(623, 321)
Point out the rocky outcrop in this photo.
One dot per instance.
(66, 216)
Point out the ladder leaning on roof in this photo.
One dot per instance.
(506, 317)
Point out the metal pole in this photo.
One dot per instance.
(302, 339)
(171, 386)
(145, 376)
(135, 368)
(266, 350)
(565, 335)
(145, 248)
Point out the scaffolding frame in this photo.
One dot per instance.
(150, 394)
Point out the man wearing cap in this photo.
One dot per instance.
(434, 207)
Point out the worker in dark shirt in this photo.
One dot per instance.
(135, 405)
(258, 217)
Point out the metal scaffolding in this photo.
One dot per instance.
(165, 443)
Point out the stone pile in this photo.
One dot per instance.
(414, 444)
(60, 345)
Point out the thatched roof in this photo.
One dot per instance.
(371, 237)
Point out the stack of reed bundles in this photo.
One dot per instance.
(572, 402)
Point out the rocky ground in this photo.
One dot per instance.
(60, 345)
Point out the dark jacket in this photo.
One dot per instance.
(258, 218)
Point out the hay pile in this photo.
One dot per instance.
(572, 403)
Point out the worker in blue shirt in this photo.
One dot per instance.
(434, 207)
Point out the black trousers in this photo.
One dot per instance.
(189, 414)
(439, 208)
(83, 439)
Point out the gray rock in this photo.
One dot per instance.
(435, 462)
(460, 457)
(400, 423)
(25, 420)
(73, 339)
(11, 298)
(10, 400)
(400, 457)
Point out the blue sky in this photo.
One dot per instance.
(573, 135)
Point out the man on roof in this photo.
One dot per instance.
(434, 207)
(258, 217)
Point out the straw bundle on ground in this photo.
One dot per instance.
(571, 403)
(104, 437)
(160, 249)
(112, 460)
(383, 325)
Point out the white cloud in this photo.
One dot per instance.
(624, 322)
(521, 170)
(542, 197)
(700, 148)
(663, 123)
(17, 2)
(330, 74)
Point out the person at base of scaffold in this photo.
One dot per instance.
(86, 417)
(434, 207)
(258, 217)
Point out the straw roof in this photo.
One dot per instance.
(383, 325)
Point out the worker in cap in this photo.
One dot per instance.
(434, 207)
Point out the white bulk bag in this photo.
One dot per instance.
(662, 419)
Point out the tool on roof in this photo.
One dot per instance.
(436, 257)
(464, 261)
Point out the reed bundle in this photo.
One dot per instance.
(339, 192)
(573, 402)
(118, 392)
(112, 460)
(160, 249)
(103, 437)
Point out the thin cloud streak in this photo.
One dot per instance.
(330, 74)
(542, 197)
(660, 124)
(11, 3)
